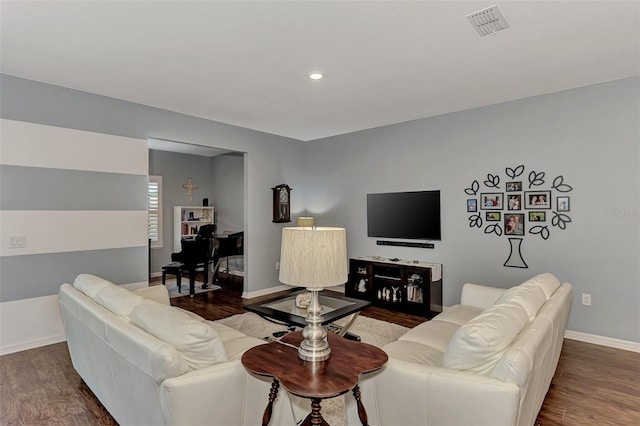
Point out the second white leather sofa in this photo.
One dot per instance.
(153, 364)
(488, 361)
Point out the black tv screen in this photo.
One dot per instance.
(409, 215)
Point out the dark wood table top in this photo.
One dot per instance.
(325, 379)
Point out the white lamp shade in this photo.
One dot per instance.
(313, 257)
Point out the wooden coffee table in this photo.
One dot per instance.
(334, 306)
(314, 380)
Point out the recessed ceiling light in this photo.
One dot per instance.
(316, 76)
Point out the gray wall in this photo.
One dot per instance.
(589, 135)
(270, 160)
(227, 180)
(598, 252)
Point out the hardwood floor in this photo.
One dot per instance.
(593, 385)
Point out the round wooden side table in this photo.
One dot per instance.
(314, 380)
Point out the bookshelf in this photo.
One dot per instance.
(187, 220)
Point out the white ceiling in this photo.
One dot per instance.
(246, 62)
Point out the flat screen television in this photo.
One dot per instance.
(409, 215)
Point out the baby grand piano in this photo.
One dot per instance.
(228, 245)
(197, 254)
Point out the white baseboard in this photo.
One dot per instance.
(265, 292)
(30, 323)
(603, 341)
(32, 344)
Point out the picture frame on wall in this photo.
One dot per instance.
(535, 200)
(491, 200)
(514, 201)
(472, 205)
(562, 204)
(514, 186)
(538, 216)
(493, 216)
(514, 224)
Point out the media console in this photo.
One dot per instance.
(403, 285)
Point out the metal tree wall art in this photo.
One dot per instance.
(508, 209)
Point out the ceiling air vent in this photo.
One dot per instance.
(488, 21)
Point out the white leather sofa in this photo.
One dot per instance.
(487, 361)
(152, 364)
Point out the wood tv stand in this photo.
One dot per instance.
(405, 286)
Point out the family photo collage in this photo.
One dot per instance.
(515, 207)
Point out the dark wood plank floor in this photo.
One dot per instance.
(593, 385)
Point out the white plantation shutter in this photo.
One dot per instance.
(155, 210)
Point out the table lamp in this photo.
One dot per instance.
(306, 221)
(314, 258)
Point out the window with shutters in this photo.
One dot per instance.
(154, 198)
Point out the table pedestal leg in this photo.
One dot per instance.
(362, 413)
(273, 394)
(315, 417)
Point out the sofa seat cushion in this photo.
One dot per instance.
(435, 334)
(118, 300)
(478, 345)
(458, 314)
(190, 314)
(238, 346)
(195, 340)
(90, 285)
(414, 352)
(225, 333)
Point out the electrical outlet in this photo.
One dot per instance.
(586, 299)
(18, 241)
(277, 265)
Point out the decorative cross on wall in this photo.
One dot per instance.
(190, 187)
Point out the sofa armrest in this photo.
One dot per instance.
(481, 296)
(403, 392)
(203, 397)
(157, 293)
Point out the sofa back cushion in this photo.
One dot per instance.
(97, 338)
(547, 282)
(478, 345)
(90, 285)
(528, 295)
(118, 300)
(195, 340)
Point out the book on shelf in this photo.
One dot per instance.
(414, 293)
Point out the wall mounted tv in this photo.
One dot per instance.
(408, 215)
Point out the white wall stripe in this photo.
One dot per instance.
(39, 319)
(38, 145)
(53, 231)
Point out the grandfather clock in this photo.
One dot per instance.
(281, 203)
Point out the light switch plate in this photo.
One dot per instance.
(18, 241)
